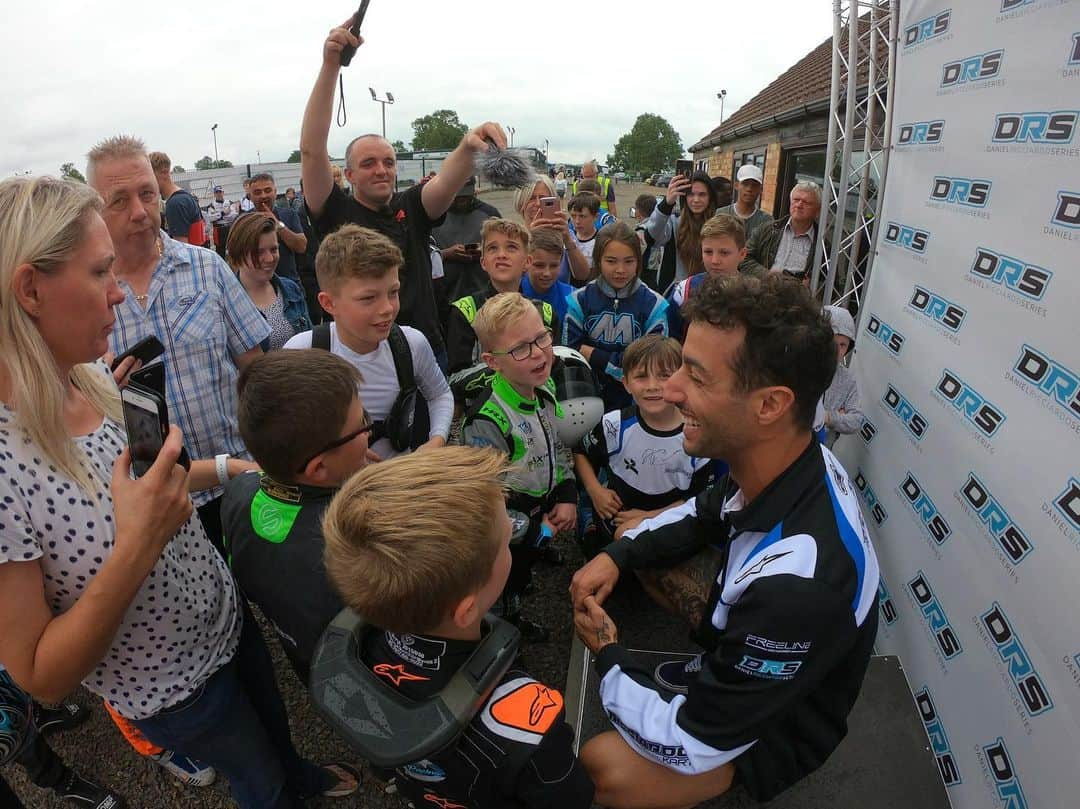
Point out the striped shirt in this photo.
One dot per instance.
(794, 251)
(205, 319)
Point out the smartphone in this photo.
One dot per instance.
(348, 52)
(685, 168)
(472, 247)
(147, 349)
(146, 420)
(549, 207)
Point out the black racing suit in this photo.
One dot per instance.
(788, 629)
(516, 752)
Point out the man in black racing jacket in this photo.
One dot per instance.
(772, 566)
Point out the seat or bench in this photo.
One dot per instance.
(885, 762)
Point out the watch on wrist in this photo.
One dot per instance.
(222, 468)
(280, 224)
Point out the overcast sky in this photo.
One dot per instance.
(572, 71)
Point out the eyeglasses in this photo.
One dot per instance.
(524, 350)
(366, 427)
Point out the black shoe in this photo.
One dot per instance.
(64, 716)
(531, 631)
(77, 791)
(676, 675)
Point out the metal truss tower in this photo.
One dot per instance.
(857, 155)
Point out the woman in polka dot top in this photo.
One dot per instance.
(104, 580)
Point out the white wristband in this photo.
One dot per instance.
(221, 467)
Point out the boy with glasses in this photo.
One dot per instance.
(307, 447)
(516, 414)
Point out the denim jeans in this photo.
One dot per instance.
(237, 723)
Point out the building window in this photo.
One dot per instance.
(800, 166)
(755, 158)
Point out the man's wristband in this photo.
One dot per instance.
(222, 468)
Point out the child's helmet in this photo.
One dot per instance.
(577, 393)
(15, 718)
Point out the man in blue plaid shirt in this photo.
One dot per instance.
(191, 300)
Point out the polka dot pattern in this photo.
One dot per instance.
(183, 624)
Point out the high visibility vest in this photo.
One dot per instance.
(605, 186)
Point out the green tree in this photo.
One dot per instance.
(206, 162)
(441, 129)
(69, 172)
(399, 146)
(651, 145)
(294, 157)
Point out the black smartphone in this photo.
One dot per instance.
(348, 52)
(146, 420)
(685, 168)
(147, 349)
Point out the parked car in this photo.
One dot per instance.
(620, 175)
(664, 180)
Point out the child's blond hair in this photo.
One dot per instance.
(724, 224)
(392, 552)
(355, 252)
(511, 230)
(497, 314)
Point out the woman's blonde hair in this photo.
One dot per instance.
(43, 222)
(523, 194)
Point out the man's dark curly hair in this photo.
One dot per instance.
(789, 341)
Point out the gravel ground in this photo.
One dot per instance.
(97, 750)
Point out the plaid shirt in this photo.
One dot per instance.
(205, 319)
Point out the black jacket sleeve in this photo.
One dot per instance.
(664, 540)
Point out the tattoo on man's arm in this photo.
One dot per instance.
(603, 634)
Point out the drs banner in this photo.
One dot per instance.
(969, 369)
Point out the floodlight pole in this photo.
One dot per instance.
(213, 131)
(388, 100)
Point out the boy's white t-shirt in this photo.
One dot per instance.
(380, 387)
(585, 245)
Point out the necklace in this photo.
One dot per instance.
(160, 251)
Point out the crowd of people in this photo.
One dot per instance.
(313, 374)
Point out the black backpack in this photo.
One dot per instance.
(398, 426)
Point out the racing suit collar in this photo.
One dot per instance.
(778, 498)
(502, 388)
(621, 294)
(294, 492)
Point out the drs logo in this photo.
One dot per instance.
(1067, 212)
(1074, 54)
(1068, 503)
(913, 239)
(877, 511)
(1028, 683)
(939, 740)
(937, 308)
(926, 29)
(885, 334)
(1055, 128)
(885, 603)
(914, 422)
(974, 68)
(1019, 276)
(1000, 526)
(961, 191)
(981, 412)
(1051, 377)
(867, 431)
(921, 133)
(932, 519)
(1009, 790)
(935, 616)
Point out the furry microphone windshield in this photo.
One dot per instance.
(505, 167)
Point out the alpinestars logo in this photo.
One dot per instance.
(397, 674)
(756, 568)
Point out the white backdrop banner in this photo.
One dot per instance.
(968, 365)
